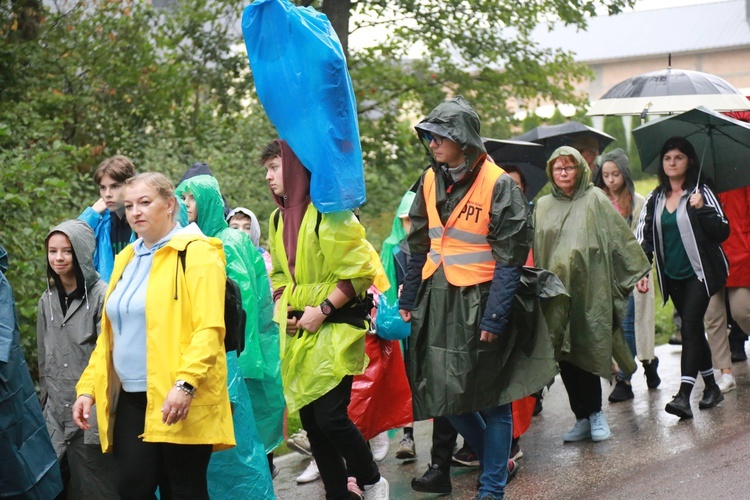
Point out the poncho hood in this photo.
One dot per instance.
(583, 174)
(457, 120)
(208, 200)
(398, 233)
(82, 240)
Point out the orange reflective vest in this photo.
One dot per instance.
(461, 245)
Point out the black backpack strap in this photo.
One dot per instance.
(181, 254)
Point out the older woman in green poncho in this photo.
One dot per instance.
(582, 238)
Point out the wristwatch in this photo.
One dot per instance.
(327, 307)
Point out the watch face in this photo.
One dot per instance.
(326, 309)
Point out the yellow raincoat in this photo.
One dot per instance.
(185, 341)
(314, 363)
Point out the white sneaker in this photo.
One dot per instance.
(378, 491)
(727, 382)
(379, 446)
(310, 474)
(300, 443)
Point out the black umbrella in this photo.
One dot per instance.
(722, 145)
(668, 91)
(529, 157)
(565, 134)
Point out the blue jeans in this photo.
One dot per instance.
(490, 430)
(628, 328)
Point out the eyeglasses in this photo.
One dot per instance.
(567, 170)
(433, 137)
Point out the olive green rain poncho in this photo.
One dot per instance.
(591, 248)
(259, 361)
(451, 370)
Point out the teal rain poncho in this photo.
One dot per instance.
(398, 233)
(590, 247)
(259, 361)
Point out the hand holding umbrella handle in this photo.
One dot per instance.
(696, 199)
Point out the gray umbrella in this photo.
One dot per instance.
(564, 134)
(668, 91)
(722, 145)
(529, 157)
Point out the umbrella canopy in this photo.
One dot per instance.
(565, 134)
(667, 91)
(722, 145)
(529, 157)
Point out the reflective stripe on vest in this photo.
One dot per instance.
(461, 246)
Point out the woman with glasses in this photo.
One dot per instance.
(581, 237)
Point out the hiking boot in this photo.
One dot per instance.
(711, 397)
(652, 377)
(433, 481)
(466, 457)
(680, 406)
(579, 432)
(622, 392)
(406, 449)
(599, 427)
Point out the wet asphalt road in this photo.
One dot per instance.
(651, 454)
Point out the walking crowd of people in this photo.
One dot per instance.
(172, 345)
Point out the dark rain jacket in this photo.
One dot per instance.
(260, 361)
(451, 370)
(701, 229)
(29, 467)
(589, 245)
(65, 341)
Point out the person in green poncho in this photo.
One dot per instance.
(236, 471)
(321, 271)
(582, 238)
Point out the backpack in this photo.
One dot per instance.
(235, 317)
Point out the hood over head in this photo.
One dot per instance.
(82, 240)
(254, 224)
(583, 173)
(619, 158)
(457, 120)
(208, 200)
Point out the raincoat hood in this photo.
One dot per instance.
(619, 158)
(254, 224)
(208, 201)
(583, 174)
(457, 120)
(398, 233)
(82, 239)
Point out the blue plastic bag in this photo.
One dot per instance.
(302, 81)
(388, 323)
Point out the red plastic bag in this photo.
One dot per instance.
(381, 397)
(523, 410)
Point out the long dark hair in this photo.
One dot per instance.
(691, 175)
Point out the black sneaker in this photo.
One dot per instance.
(711, 397)
(466, 457)
(434, 480)
(680, 406)
(623, 391)
(652, 377)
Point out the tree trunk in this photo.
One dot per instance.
(338, 12)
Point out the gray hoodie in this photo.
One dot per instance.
(66, 341)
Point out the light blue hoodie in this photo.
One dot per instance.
(126, 309)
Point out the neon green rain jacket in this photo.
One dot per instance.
(591, 248)
(314, 363)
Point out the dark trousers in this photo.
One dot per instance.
(334, 438)
(178, 470)
(584, 390)
(690, 300)
(444, 437)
